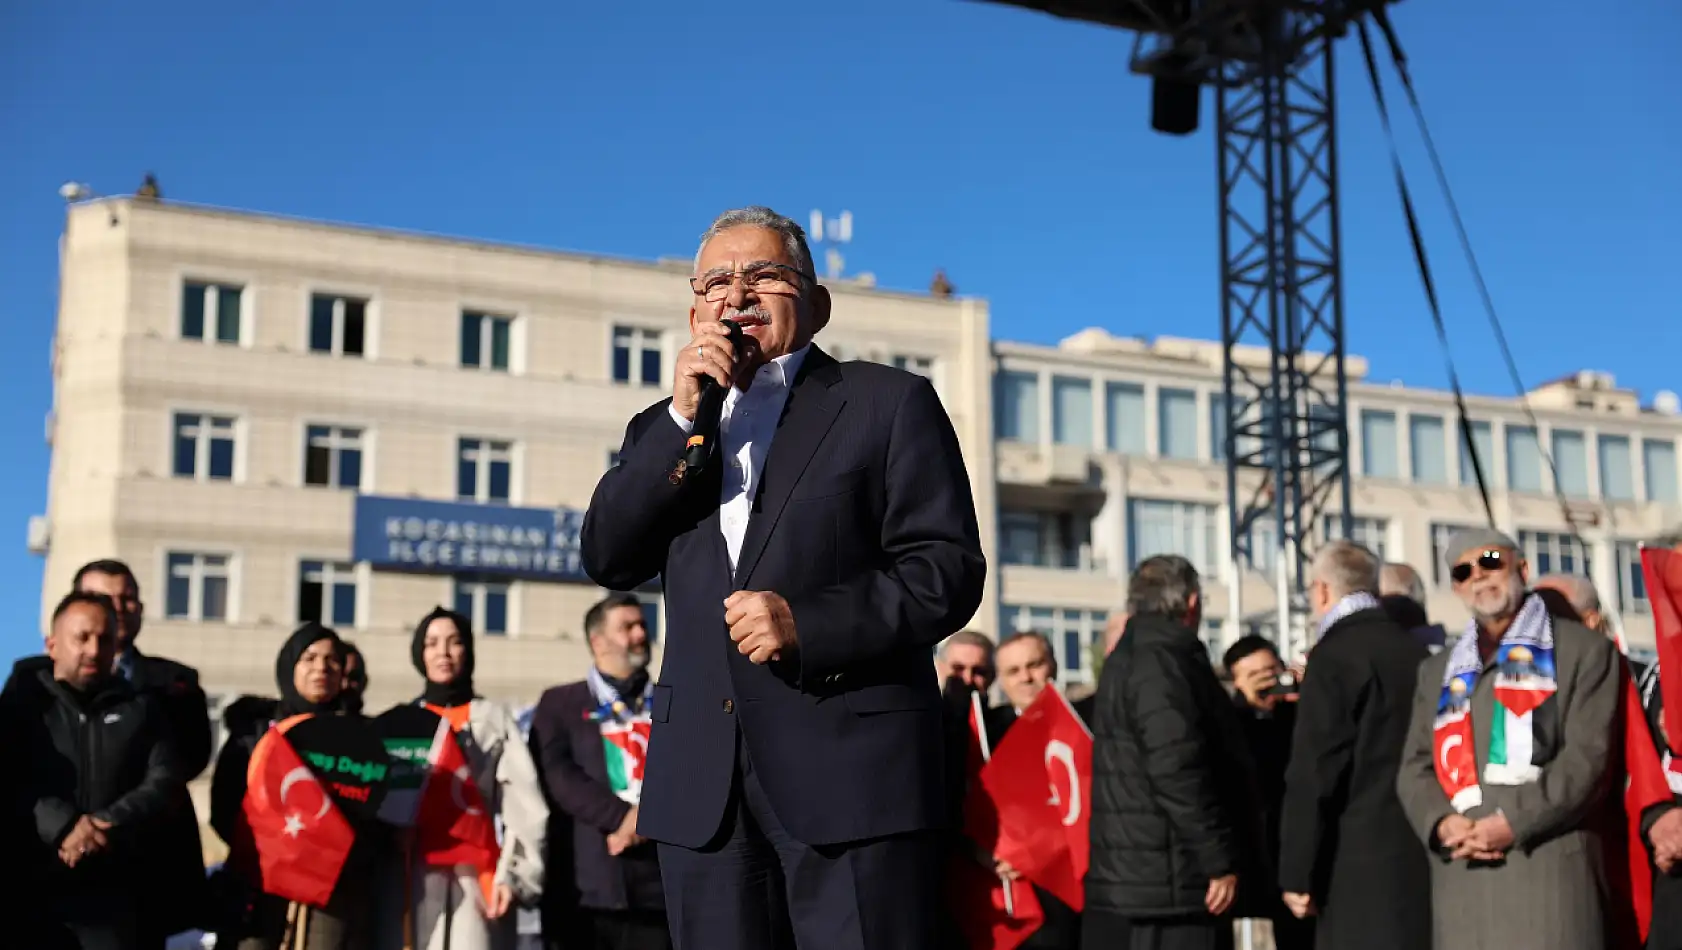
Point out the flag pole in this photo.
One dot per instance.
(291, 931)
(986, 754)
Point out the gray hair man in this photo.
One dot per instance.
(1506, 774)
(1580, 593)
(1342, 829)
(1175, 814)
(1402, 592)
(966, 656)
(1401, 580)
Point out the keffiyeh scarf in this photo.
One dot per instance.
(1524, 679)
(1352, 604)
(624, 732)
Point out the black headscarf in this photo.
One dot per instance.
(292, 703)
(356, 684)
(457, 692)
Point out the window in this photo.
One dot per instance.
(1552, 552)
(1018, 406)
(327, 593)
(1483, 443)
(636, 356)
(485, 340)
(1059, 539)
(204, 446)
(484, 470)
(1632, 587)
(196, 587)
(1659, 458)
(1264, 545)
(1071, 411)
(1126, 417)
(653, 606)
(484, 601)
(1429, 449)
(1440, 535)
(333, 457)
(1378, 445)
(921, 365)
(1173, 527)
(1524, 459)
(1370, 533)
(211, 312)
(1571, 462)
(1072, 633)
(338, 325)
(1322, 430)
(1176, 423)
(1217, 425)
(1617, 482)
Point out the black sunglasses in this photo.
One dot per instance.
(1490, 561)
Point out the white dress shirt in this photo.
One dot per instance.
(746, 427)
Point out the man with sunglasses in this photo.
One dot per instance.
(823, 545)
(1507, 773)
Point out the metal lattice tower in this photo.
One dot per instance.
(1286, 429)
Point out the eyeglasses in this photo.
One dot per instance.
(1489, 561)
(760, 278)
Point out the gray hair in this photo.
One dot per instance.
(758, 216)
(1401, 580)
(1163, 585)
(1347, 568)
(1025, 635)
(968, 638)
(1577, 589)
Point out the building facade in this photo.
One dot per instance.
(1110, 450)
(275, 420)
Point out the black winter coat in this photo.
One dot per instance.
(1174, 799)
(106, 753)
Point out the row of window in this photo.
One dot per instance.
(339, 325)
(199, 587)
(206, 449)
(1433, 452)
(1196, 532)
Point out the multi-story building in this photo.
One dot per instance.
(276, 420)
(1110, 450)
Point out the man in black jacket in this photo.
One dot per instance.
(1176, 824)
(176, 889)
(102, 775)
(1347, 850)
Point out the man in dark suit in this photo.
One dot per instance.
(1347, 852)
(602, 887)
(794, 777)
(178, 887)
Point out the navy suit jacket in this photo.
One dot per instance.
(864, 522)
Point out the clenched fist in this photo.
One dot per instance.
(761, 624)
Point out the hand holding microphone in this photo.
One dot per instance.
(709, 357)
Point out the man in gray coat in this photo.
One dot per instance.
(1508, 772)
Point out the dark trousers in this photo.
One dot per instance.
(756, 888)
(619, 930)
(1106, 932)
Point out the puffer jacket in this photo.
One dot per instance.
(1174, 796)
(105, 753)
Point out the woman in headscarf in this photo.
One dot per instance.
(450, 906)
(309, 672)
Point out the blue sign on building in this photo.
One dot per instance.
(448, 537)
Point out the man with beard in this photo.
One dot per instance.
(178, 888)
(1507, 770)
(100, 776)
(588, 739)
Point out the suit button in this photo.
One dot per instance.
(729, 707)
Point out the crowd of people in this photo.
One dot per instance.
(104, 739)
(1395, 788)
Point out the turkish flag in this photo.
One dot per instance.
(294, 840)
(1661, 568)
(1647, 787)
(1040, 781)
(992, 913)
(453, 825)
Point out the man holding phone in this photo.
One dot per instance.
(1265, 693)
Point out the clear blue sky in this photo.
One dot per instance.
(1008, 147)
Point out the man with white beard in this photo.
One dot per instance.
(1506, 774)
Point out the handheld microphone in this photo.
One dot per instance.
(709, 410)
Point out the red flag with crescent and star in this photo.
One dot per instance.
(1040, 782)
(294, 840)
(453, 826)
(992, 913)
